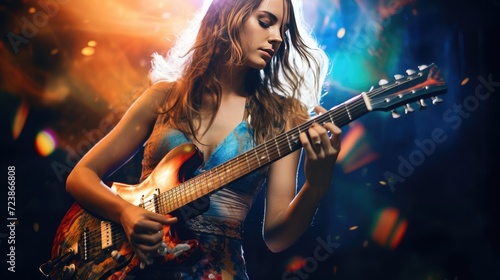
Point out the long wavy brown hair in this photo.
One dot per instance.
(275, 93)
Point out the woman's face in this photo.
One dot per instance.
(262, 33)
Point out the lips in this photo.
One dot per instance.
(270, 52)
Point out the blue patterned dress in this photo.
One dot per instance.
(219, 229)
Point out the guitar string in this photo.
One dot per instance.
(252, 163)
(280, 141)
(175, 192)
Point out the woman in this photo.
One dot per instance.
(242, 81)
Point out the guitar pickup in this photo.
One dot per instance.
(106, 235)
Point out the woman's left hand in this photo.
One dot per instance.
(321, 150)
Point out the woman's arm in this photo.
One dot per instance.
(84, 183)
(287, 215)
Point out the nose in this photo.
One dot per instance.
(275, 36)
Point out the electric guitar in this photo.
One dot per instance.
(88, 247)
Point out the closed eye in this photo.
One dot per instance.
(263, 24)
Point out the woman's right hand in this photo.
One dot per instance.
(144, 230)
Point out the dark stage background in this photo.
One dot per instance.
(406, 204)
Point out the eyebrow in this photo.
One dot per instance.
(271, 15)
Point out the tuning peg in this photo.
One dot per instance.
(410, 72)
(398, 76)
(395, 114)
(436, 100)
(408, 109)
(371, 88)
(422, 104)
(422, 67)
(383, 82)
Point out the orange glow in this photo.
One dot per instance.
(399, 233)
(20, 119)
(88, 51)
(296, 263)
(464, 81)
(350, 139)
(385, 223)
(98, 54)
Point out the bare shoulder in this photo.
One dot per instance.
(153, 97)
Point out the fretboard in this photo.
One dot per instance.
(257, 157)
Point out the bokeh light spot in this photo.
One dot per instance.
(464, 81)
(341, 33)
(88, 51)
(46, 142)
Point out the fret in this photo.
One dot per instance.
(192, 189)
(199, 189)
(267, 152)
(209, 181)
(330, 116)
(257, 156)
(288, 140)
(181, 196)
(248, 163)
(241, 164)
(277, 147)
(222, 177)
(229, 170)
(185, 188)
(295, 138)
(175, 197)
(347, 110)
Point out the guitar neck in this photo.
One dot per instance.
(259, 156)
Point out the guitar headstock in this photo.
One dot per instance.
(416, 86)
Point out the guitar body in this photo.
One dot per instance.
(89, 247)
(70, 240)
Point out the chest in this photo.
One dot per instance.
(211, 135)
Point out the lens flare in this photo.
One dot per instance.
(389, 228)
(356, 150)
